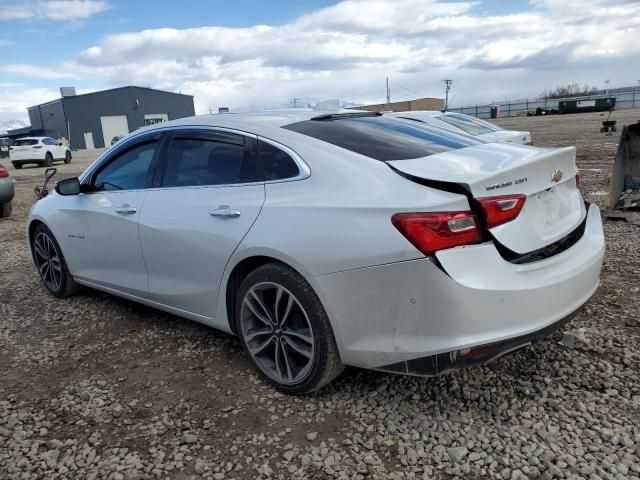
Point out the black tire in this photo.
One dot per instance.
(324, 364)
(67, 157)
(48, 160)
(16, 165)
(5, 210)
(66, 285)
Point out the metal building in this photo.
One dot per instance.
(405, 106)
(91, 120)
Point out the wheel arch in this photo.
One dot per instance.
(31, 228)
(251, 261)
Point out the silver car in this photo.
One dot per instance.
(330, 239)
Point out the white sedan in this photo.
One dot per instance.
(330, 239)
(39, 150)
(461, 123)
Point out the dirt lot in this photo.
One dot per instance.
(97, 387)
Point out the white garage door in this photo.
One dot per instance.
(113, 126)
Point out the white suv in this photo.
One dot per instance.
(40, 150)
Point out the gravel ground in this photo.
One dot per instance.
(97, 387)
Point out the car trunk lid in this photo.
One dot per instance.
(553, 206)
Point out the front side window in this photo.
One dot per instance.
(276, 163)
(470, 125)
(128, 171)
(382, 138)
(200, 162)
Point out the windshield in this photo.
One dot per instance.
(383, 138)
(471, 125)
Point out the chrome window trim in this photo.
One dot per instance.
(122, 144)
(303, 168)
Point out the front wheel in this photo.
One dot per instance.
(67, 157)
(16, 165)
(51, 264)
(285, 330)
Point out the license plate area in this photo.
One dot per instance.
(550, 204)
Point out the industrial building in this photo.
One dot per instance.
(92, 120)
(405, 106)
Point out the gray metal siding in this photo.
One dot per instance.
(53, 121)
(84, 111)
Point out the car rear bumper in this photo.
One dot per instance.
(6, 190)
(440, 363)
(469, 297)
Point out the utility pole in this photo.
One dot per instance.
(388, 94)
(447, 84)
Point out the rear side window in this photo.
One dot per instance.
(201, 162)
(471, 125)
(277, 164)
(23, 143)
(383, 138)
(128, 171)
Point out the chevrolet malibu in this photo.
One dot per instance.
(324, 239)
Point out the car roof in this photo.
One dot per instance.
(259, 120)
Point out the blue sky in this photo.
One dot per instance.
(252, 54)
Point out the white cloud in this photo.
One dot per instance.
(55, 10)
(27, 70)
(346, 51)
(15, 103)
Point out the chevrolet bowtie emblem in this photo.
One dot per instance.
(557, 176)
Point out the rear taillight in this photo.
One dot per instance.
(3, 172)
(502, 209)
(430, 232)
(578, 178)
(37, 146)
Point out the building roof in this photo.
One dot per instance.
(109, 90)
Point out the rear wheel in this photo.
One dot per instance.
(67, 157)
(48, 160)
(51, 264)
(16, 165)
(5, 210)
(285, 330)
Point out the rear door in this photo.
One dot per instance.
(207, 196)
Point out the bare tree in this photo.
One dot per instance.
(569, 90)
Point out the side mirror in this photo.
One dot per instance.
(59, 144)
(68, 186)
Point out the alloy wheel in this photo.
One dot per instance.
(277, 333)
(48, 261)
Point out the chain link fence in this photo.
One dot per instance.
(625, 98)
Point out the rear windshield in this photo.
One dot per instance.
(471, 125)
(27, 141)
(383, 138)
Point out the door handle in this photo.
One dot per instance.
(225, 211)
(126, 209)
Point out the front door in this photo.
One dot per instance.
(102, 225)
(207, 199)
